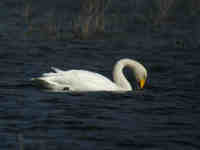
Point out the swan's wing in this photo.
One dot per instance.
(56, 70)
(89, 81)
(76, 80)
(55, 73)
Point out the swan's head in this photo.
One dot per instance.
(140, 75)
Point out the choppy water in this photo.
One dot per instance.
(165, 115)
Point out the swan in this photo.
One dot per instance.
(82, 80)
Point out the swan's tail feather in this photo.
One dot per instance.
(56, 69)
(41, 83)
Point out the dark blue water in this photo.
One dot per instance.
(165, 115)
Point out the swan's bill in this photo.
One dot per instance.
(142, 83)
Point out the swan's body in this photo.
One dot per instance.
(81, 80)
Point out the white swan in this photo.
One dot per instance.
(81, 80)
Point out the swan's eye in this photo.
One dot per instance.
(66, 88)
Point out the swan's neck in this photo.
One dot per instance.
(118, 75)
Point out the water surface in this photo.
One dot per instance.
(165, 115)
